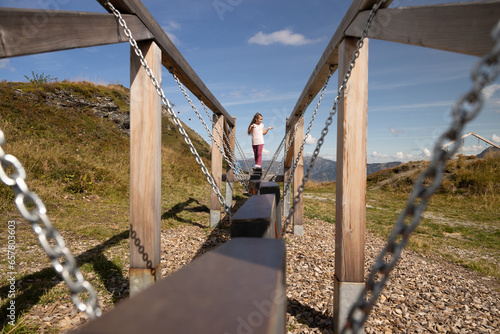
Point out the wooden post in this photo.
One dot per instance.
(350, 216)
(298, 175)
(286, 176)
(215, 206)
(229, 140)
(145, 170)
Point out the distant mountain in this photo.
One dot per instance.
(490, 150)
(324, 170)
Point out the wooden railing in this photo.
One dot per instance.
(240, 286)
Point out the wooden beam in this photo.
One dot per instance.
(256, 218)
(350, 217)
(329, 57)
(239, 287)
(145, 170)
(31, 31)
(457, 27)
(215, 205)
(298, 175)
(172, 59)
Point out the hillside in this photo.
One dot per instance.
(74, 137)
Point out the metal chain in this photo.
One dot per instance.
(307, 133)
(299, 154)
(226, 148)
(237, 171)
(329, 120)
(47, 234)
(466, 109)
(248, 168)
(289, 141)
(283, 141)
(186, 95)
(168, 105)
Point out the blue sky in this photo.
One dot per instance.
(257, 55)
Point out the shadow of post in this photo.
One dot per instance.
(31, 288)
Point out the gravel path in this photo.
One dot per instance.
(424, 295)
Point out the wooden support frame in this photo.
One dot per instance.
(298, 175)
(172, 59)
(350, 217)
(457, 27)
(215, 205)
(329, 57)
(32, 31)
(145, 170)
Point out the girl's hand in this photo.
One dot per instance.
(270, 128)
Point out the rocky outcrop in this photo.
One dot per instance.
(102, 106)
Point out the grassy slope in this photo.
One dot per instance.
(79, 165)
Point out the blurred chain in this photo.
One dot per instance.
(167, 104)
(50, 239)
(466, 109)
(329, 120)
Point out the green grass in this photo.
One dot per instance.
(461, 222)
(79, 165)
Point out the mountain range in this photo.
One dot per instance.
(324, 170)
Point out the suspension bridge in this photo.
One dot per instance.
(247, 273)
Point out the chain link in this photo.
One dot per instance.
(466, 109)
(168, 106)
(299, 154)
(329, 120)
(186, 95)
(33, 210)
(237, 171)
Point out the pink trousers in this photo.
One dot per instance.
(257, 153)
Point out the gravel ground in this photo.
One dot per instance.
(423, 295)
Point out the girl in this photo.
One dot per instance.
(257, 131)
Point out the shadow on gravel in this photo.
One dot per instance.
(222, 232)
(310, 317)
(31, 288)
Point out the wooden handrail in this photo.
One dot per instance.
(172, 59)
(32, 31)
(457, 27)
(329, 57)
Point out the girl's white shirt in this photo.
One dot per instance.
(257, 134)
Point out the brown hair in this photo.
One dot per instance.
(254, 119)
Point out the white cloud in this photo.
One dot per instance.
(400, 155)
(472, 149)
(5, 64)
(396, 131)
(310, 140)
(377, 156)
(490, 90)
(426, 153)
(285, 37)
(495, 138)
(169, 27)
